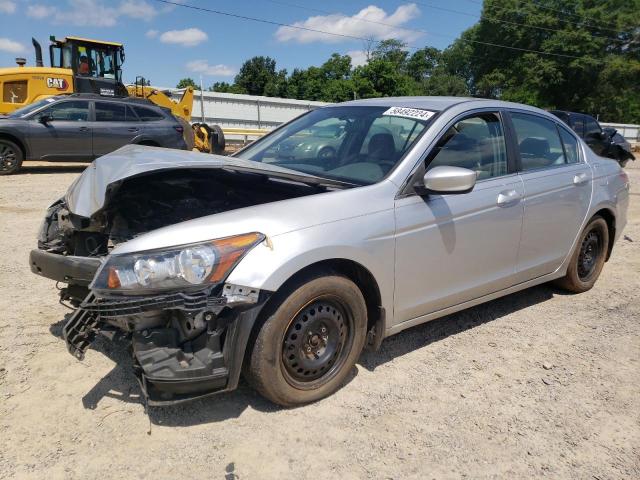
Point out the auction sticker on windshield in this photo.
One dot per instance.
(406, 112)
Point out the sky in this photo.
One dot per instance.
(165, 42)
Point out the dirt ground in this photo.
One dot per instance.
(539, 383)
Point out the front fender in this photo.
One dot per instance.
(367, 241)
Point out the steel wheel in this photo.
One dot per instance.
(313, 347)
(311, 334)
(590, 251)
(588, 257)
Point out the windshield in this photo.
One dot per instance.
(26, 110)
(356, 144)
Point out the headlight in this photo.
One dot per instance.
(180, 267)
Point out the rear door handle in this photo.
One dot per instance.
(84, 129)
(508, 198)
(133, 129)
(580, 179)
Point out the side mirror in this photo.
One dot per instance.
(44, 119)
(447, 181)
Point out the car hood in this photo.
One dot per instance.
(87, 195)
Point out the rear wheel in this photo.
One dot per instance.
(309, 342)
(588, 258)
(10, 157)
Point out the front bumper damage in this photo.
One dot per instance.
(169, 368)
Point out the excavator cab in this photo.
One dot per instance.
(96, 65)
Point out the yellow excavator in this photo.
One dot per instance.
(81, 65)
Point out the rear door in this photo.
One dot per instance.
(155, 126)
(557, 192)
(115, 125)
(67, 134)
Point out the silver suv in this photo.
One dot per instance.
(287, 268)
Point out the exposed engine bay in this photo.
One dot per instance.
(144, 203)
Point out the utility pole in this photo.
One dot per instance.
(201, 101)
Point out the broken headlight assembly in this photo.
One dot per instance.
(174, 268)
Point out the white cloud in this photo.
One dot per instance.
(377, 25)
(93, 13)
(358, 57)
(189, 37)
(203, 67)
(40, 11)
(7, 45)
(137, 9)
(151, 33)
(7, 6)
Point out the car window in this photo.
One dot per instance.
(577, 124)
(476, 143)
(110, 112)
(131, 116)
(74, 111)
(570, 146)
(538, 141)
(357, 144)
(592, 128)
(147, 114)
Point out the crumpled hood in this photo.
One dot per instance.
(87, 194)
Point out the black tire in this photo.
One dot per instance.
(11, 157)
(311, 336)
(218, 142)
(588, 257)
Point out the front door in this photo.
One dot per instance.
(557, 184)
(115, 126)
(454, 248)
(65, 135)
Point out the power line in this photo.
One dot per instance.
(352, 37)
(575, 15)
(509, 22)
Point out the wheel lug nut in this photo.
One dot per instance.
(323, 330)
(308, 349)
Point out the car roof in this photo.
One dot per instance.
(567, 112)
(95, 96)
(437, 103)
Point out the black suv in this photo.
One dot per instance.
(605, 142)
(81, 127)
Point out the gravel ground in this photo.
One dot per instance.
(539, 383)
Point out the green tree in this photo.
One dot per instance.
(258, 76)
(574, 55)
(188, 82)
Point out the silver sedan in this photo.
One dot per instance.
(286, 268)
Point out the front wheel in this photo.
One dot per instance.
(309, 342)
(588, 258)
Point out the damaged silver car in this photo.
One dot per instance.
(286, 268)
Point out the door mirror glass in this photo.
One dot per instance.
(447, 180)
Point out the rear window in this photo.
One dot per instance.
(538, 141)
(147, 114)
(110, 112)
(592, 128)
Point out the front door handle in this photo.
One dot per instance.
(133, 129)
(84, 129)
(580, 179)
(507, 198)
